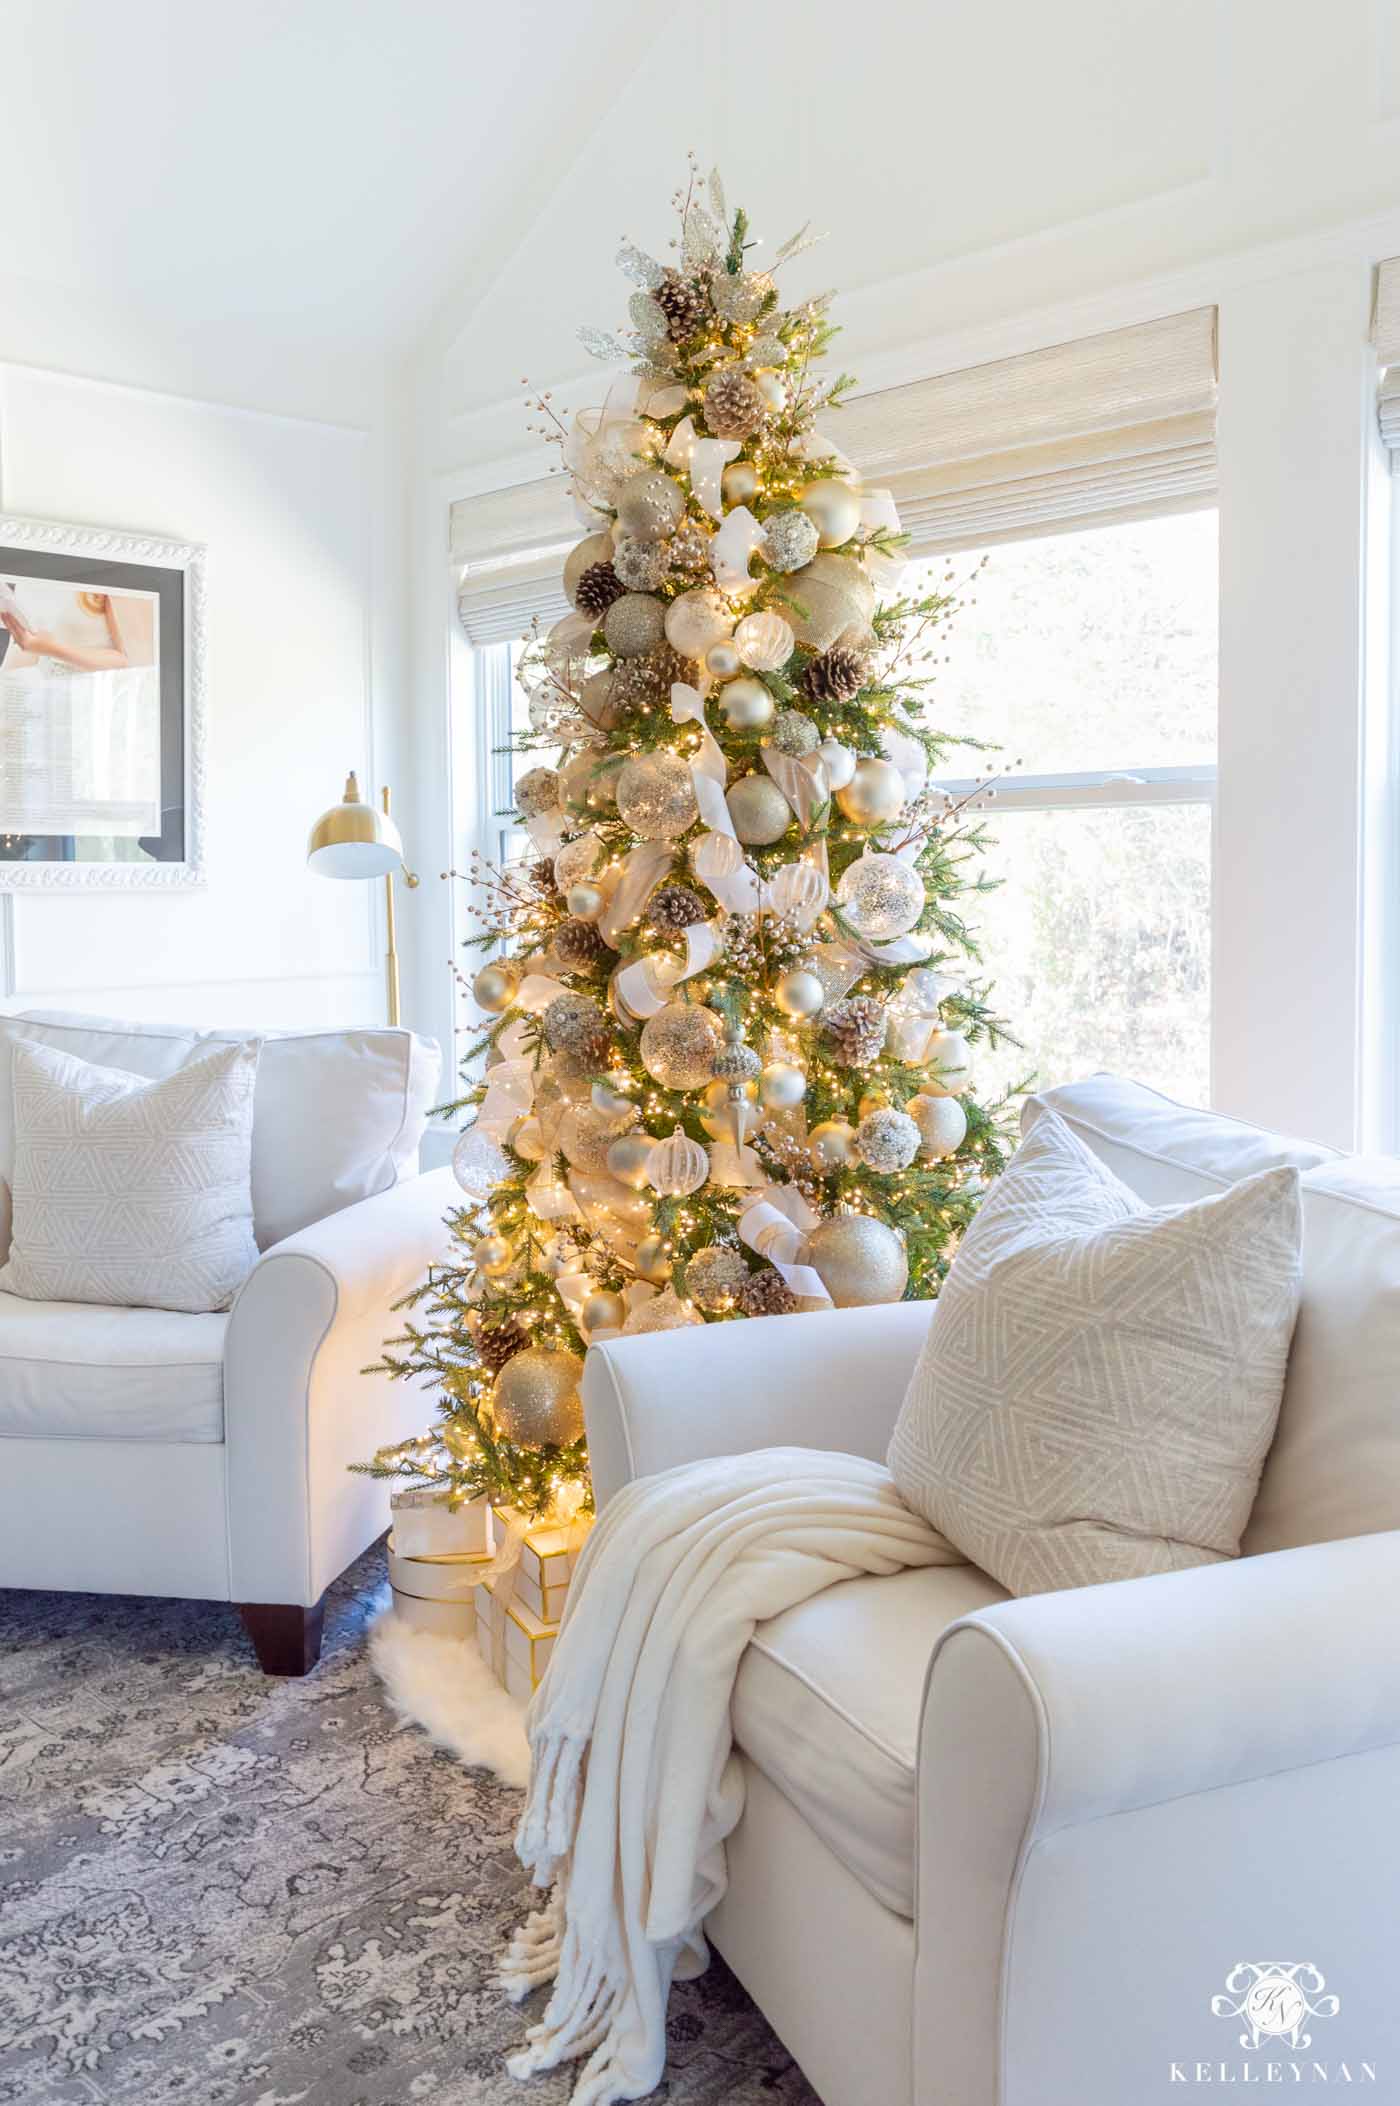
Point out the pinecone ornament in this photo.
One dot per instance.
(734, 408)
(649, 678)
(499, 1343)
(596, 590)
(767, 1293)
(835, 676)
(576, 945)
(684, 302)
(675, 907)
(855, 1030)
(543, 876)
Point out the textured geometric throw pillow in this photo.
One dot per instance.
(128, 1192)
(1100, 1382)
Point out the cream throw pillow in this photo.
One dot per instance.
(132, 1193)
(1100, 1382)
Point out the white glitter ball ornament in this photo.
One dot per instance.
(696, 620)
(679, 1045)
(537, 791)
(942, 1125)
(650, 505)
(887, 1141)
(664, 1312)
(577, 860)
(859, 1261)
(656, 796)
(880, 897)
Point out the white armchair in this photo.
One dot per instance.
(1007, 1853)
(148, 1452)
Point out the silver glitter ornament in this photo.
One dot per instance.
(642, 565)
(887, 1140)
(742, 296)
(860, 1261)
(759, 810)
(789, 540)
(715, 1276)
(679, 1045)
(664, 1312)
(634, 624)
(656, 796)
(880, 896)
(535, 1399)
(735, 1062)
(795, 734)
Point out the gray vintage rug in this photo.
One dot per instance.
(229, 1891)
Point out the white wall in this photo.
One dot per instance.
(303, 524)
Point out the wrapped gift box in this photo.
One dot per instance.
(436, 1594)
(425, 1526)
(547, 1560)
(515, 1643)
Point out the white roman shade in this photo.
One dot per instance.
(1112, 425)
(1385, 333)
(510, 547)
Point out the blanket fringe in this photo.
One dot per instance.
(533, 1954)
(546, 1831)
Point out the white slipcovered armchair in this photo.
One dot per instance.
(148, 1452)
(1038, 1852)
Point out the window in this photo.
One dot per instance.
(1089, 659)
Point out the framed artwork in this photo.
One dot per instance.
(102, 708)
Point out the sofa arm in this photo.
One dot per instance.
(832, 1380)
(313, 1313)
(1215, 1747)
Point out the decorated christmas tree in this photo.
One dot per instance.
(730, 1000)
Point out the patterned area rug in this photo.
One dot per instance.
(230, 1891)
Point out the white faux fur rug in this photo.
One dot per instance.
(444, 1686)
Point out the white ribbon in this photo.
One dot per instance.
(732, 549)
(549, 1198)
(636, 875)
(546, 831)
(877, 510)
(683, 443)
(537, 991)
(777, 1225)
(735, 1168)
(718, 861)
(510, 1091)
(709, 772)
(803, 782)
(645, 985)
(708, 460)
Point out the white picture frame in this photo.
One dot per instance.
(161, 584)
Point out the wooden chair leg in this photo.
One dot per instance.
(286, 1637)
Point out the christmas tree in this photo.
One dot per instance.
(727, 1067)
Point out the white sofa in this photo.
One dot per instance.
(1008, 1853)
(146, 1452)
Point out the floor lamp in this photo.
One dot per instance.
(353, 840)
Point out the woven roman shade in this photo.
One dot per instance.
(1121, 424)
(510, 547)
(1385, 334)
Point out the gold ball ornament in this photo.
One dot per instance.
(650, 505)
(594, 548)
(860, 1261)
(764, 641)
(949, 1058)
(739, 482)
(629, 1159)
(652, 1259)
(723, 660)
(493, 1255)
(832, 1144)
(874, 796)
(798, 992)
(773, 388)
(603, 1311)
(634, 624)
(535, 1399)
(656, 796)
(678, 1165)
(679, 1044)
(942, 1125)
(745, 704)
(759, 810)
(696, 620)
(782, 1085)
(837, 596)
(585, 901)
(833, 509)
(495, 988)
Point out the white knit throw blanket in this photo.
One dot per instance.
(634, 1782)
